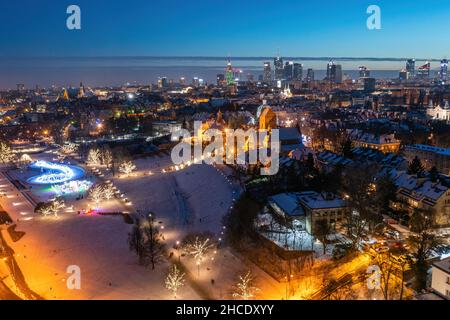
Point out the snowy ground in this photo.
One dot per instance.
(189, 200)
(299, 240)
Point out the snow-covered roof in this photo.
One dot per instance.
(420, 189)
(286, 203)
(315, 200)
(443, 265)
(423, 147)
(358, 135)
(290, 134)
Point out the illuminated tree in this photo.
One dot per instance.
(44, 209)
(107, 157)
(127, 168)
(56, 205)
(198, 249)
(245, 288)
(50, 208)
(108, 191)
(96, 194)
(69, 148)
(25, 160)
(6, 153)
(93, 158)
(174, 280)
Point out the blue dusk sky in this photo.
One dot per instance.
(319, 28)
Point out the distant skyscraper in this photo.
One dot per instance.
(443, 73)
(267, 77)
(411, 68)
(196, 82)
(369, 84)
(298, 71)
(423, 72)
(279, 70)
(162, 82)
(310, 75)
(80, 91)
(182, 81)
(20, 87)
(403, 75)
(334, 72)
(364, 72)
(229, 74)
(289, 70)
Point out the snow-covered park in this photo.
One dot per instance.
(185, 201)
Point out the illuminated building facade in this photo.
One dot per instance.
(267, 76)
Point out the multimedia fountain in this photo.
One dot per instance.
(54, 173)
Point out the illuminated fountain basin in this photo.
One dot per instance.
(53, 173)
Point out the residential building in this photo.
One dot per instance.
(305, 209)
(439, 112)
(440, 279)
(385, 143)
(430, 156)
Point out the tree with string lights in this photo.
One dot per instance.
(108, 191)
(127, 167)
(174, 280)
(245, 289)
(69, 148)
(93, 158)
(6, 153)
(198, 249)
(96, 194)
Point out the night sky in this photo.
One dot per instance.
(410, 28)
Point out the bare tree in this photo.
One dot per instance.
(322, 230)
(422, 240)
(145, 240)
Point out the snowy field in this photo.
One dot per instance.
(194, 199)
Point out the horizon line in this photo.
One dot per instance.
(219, 57)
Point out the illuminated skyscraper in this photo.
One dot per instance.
(424, 71)
(229, 75)
(403, 75)
(267, 76)
(443, 73)
(279, 70)
(334, 72)
(162, 82)
(411, 68)
(364, 72)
